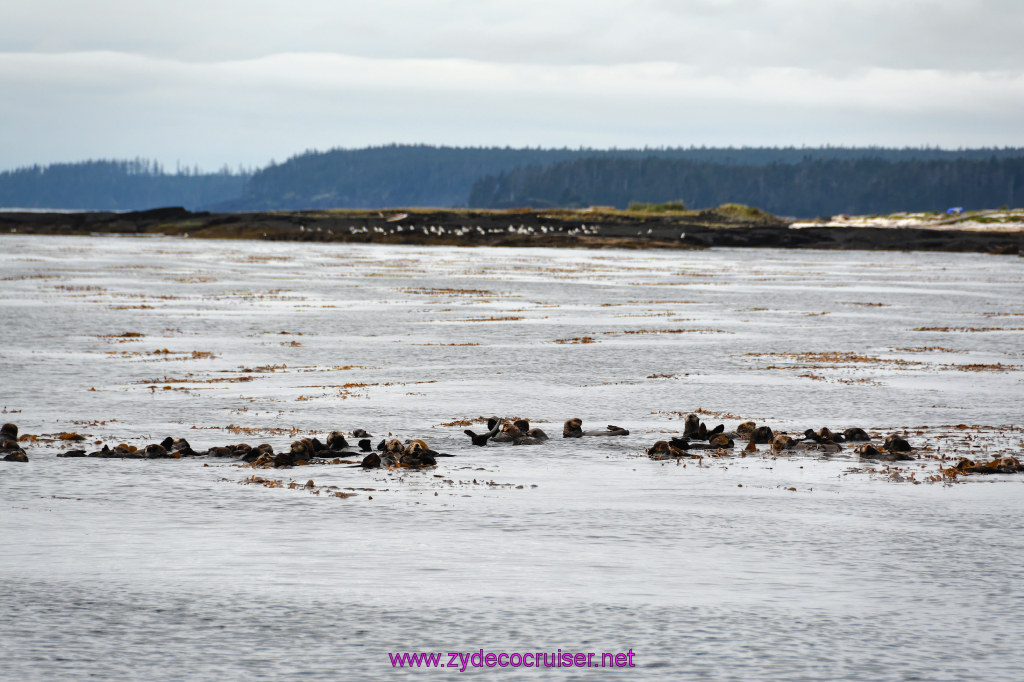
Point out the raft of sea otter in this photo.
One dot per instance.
(697, 440)
(518, 432)
(697, 437)
(412, 453)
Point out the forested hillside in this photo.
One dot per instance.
(115, 185)
(788, 181)
(421, 175)
(376, 177)
(809, 188)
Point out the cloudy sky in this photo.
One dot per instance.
(210, 82)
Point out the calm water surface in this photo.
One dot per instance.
(126, 569)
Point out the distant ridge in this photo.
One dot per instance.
(805, 189)
(428, 176)
(795, 181)
(108, 185)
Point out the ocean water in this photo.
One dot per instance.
(801, 567)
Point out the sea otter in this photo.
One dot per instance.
(304, 449)
(663, 450)
(573, 428)
(9, 448)
(493, 425)
(509, 433)
(820, 442)
(414, 446)
(761, 435)
(895, 443)
(417, 454)
(823, 437)
(262, 453)
(156, 451)
(530, 437)
(177, 445)
(782, 442)
(856, 434)
(722, 441)
(691, 427)
(826, 434)
(284, 459)
(336, 441)
(520, 433)
(868, 451)
(694, 428)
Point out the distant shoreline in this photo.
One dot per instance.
(728, 226)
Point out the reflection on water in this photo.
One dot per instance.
(172, 569)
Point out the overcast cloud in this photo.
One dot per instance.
(211, 82)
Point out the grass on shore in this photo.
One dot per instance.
(677, 206)
(730, 211)
(985, 216)
(743, 212)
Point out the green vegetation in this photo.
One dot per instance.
(743, 212)
(998, 219)
(668, 207)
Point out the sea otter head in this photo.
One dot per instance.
(512, 431)
(416, 446)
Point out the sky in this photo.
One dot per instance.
(210, 83)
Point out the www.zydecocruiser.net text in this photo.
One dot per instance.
(529, 659)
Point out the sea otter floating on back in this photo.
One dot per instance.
(573, 428)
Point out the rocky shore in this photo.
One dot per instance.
(586, 228)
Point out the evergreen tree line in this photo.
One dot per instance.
(378, 177)
(790, 181)
(422, 175)
(810, 188)
(116, 186)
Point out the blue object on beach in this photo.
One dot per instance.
(956, 210)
